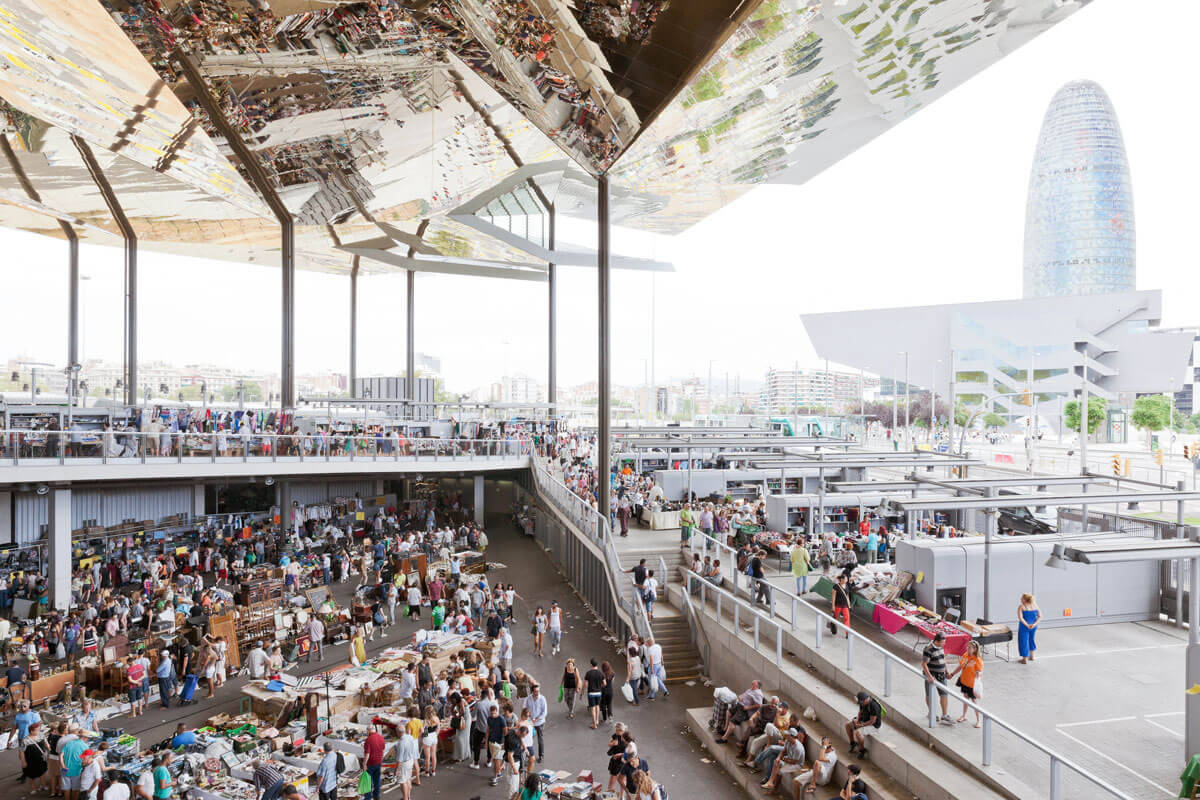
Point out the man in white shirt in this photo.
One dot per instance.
(538, 709)
(407, 754)
(89, 779)
(257, 660)
(144, 788)
(658, 672)
(506, 647)
(316, 632)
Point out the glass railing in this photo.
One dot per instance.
(34, 447)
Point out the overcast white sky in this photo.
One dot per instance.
(930, 212)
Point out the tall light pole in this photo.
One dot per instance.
(862, 400)
(1171, 418)
(653, 325)
(710, 394)
(933, 400)
(907, 433)
(953, 404)
(895, 400)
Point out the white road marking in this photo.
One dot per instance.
(1109, 652)
(1164, 714)
(1164, 727)
(1093, 722)
(1164, 789)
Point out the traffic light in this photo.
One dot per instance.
(1187, 453)
(1158, 457)
(1116, 462)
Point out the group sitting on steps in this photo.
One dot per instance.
(771, 740)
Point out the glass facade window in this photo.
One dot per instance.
(1079, 224)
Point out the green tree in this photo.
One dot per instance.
(993, 420)
(252, 393)
(961, 415)
(191, 392)
(1151, 413)
(1097, 411)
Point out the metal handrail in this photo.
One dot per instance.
(19, 446)
(594, 526)
(1056, 761)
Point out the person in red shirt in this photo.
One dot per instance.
(373, 759)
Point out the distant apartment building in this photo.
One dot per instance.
(520, 389)
(833, 390)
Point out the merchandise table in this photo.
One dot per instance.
(660, 520)
(893, 620)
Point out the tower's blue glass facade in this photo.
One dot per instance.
(1079, 230)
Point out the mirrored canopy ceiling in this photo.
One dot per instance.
(388, 113)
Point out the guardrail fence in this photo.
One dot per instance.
(94, 447)
(786, 614)
(595, 571)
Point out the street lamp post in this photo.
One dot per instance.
(907, 429)
(933, 400)
(862, 399)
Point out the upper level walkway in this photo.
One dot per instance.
(27, 456)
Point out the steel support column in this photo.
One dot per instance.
(261, 181)
(603, 410)
(130, 237)
(353, 326)
(552, 339)
(287, 288)
(410, 351)
(410, 343)
(72, 260)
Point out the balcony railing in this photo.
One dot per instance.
(34, 448)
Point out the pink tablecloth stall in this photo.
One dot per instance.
(892, 621)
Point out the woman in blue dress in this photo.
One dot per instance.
(1028, 616)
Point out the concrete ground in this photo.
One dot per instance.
(659, 728)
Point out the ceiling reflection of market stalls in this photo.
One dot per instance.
(366, 114)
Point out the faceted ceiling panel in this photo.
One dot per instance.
(803, 83)
(398, 112)
(65, 64)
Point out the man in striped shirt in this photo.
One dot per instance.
(267, 780)
(933, 664)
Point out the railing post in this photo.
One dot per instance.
(931, 697)
(849, 653)
(987, 741)
(778, 645)
(756, 619)
(771, 598)
(795, 611)
(887, 675)
(736, 626)
(818, 630)
(1055, 779)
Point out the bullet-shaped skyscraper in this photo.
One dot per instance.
(1079, 230)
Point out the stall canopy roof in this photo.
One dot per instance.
(391, 112)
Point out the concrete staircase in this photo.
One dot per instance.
(903, 751)
(680, 656)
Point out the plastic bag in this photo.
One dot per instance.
(627, 692)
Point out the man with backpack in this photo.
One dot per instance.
(870, 715)
(332, 765)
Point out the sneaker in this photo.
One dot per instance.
(494, 782)
(474, 766)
